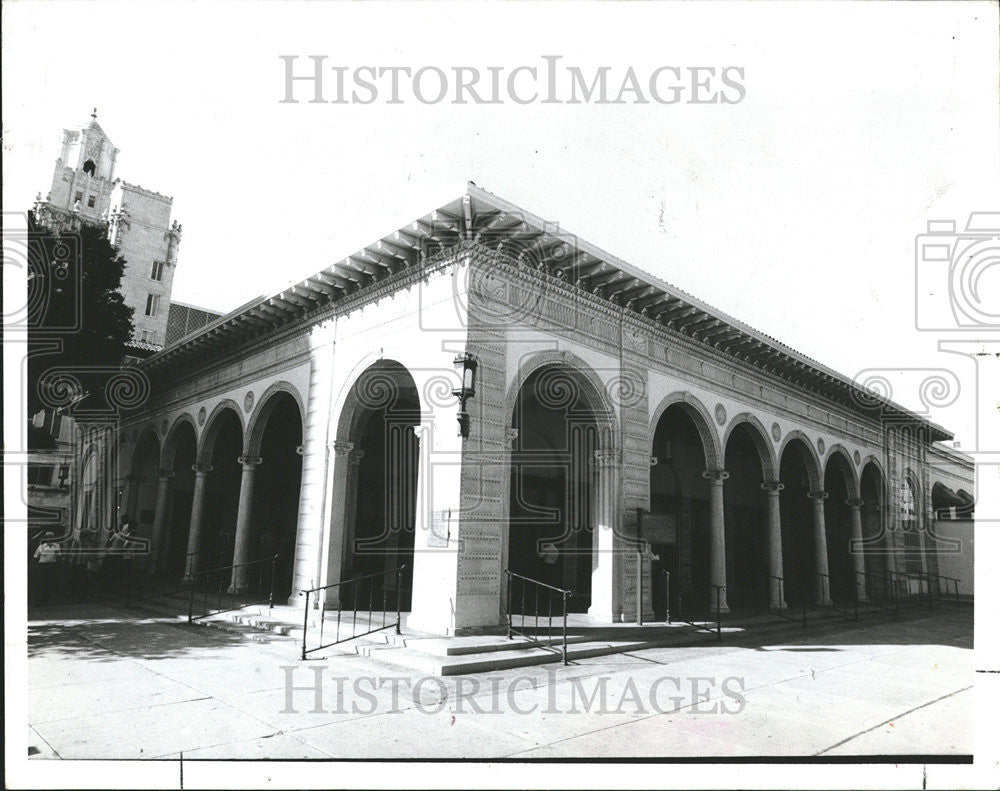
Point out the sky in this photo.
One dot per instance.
(794, 210)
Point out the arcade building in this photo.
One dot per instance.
(480, 392)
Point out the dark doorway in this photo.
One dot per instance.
(678, 490)
(797, 530)
(277, 481)
(222, 496)
(552, 489)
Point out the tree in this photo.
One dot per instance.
(79, 325)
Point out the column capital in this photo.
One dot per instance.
(354, 457)
(202, 469)
(421, 430)
(340, 446)
(249, 462)
(818, 496)
(510, 435)
(855, 502)
(163, 474)
(606, 457)
(715, 477)
(772, 487)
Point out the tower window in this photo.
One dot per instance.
(156, 273)
(78, 197)
(89, 167)
(91, 201)
(152, 304)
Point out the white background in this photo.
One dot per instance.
(794, 210)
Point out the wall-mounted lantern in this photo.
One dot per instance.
(466, 365)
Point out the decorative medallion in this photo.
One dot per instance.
(248, 401)
(202, 414)
(776, 432)
(857, 458)
(720, 414)
(821, 446)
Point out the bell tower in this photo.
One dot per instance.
(85, 190)
(84, 174)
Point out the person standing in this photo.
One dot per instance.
(46, 558)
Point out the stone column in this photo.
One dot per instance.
(717, 539)
(242, 550)
(605, 602)
(343, 504)
(857, 548)
(201, 472)
(312, 525)
(775, 563)
(819, 547)
(157, 549)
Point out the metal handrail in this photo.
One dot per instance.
(781, 600)
(565, 594)
(666, 573)
(832, 605)
(718, 613)
(889, 600)
(190, 567)
(398, 572)
(956, 580)
(222, 589)
(919, 577)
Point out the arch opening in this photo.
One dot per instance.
(144, 479)
(180, 496)
(746, 525)
(222, 495)
(553, 487)
(873, 533)
(678, 491)
(837, 516)
(797, 536)
(275, 508)
(381, 465)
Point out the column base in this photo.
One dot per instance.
(605, 617)
(434, 625)
(824, 602)
(779, 606)
(647, 617)
(863, 599)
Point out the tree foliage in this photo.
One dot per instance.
(79, 325)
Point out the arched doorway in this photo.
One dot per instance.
(909, 513)
(678, 489)
(873, 533)
(87, 514)
(837, 516)
(181, 450)
(377, 464)
(798, 472)
(223, 449)
(552, 487)
(275, 510)
(144, 484)
(746, 524)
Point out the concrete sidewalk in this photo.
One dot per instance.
(105, 684)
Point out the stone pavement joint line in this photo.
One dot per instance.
(896, 718)
(104, 684)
